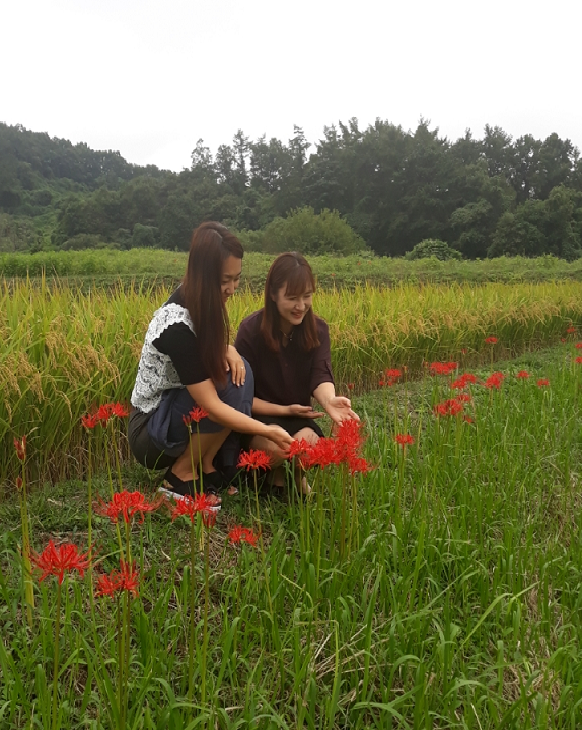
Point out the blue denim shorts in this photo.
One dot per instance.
(158, 438)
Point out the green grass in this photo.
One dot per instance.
(154, 267)
(440, 591)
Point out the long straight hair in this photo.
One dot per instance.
(212, 243)
(290, 270)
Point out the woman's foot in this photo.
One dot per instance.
(178, 488)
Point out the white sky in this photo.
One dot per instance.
(151, 78)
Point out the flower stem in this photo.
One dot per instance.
(26, 566)
(192, 638)
(56, 657)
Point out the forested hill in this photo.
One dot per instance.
(391, 189)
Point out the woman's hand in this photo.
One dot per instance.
(340, 409)
(235, 365)
(303, 411)
(280, 437)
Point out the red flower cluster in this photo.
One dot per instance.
(442, 368)
(522, 374)
(542, 382)
(345, 448)
(58, 560)
(491, 340)
(190, 507)
(449, 407)
(240, 534)
(128, 504)
(254, 459)
(104, 413)
(125, 579)
(404, 439)
(579, 360)
(578, 345)
(392, 375)
(463, 381)
(495, 381)
(196, 415)
(20, 447)
(571, 330)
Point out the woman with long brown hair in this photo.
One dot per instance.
(288, 349)
(187, 363)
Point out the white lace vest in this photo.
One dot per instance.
(156, 372)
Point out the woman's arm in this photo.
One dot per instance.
(337, 407)
(206, 397)
(265, 408)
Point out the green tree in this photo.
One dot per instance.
(312, 233)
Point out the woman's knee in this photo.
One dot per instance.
(307, 434)
(239, 397)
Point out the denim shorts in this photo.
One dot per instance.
(158, 438)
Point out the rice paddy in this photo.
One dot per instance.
(442, 589)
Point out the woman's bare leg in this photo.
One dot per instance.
(277, 476)
(205, 444)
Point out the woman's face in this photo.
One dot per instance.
(292, 309)
(231, 270)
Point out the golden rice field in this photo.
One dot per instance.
(63, 350)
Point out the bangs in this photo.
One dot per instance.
(300, 280)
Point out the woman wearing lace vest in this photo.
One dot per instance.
(186, 361)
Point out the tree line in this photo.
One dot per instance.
(381, 188)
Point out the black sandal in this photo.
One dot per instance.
(178, 488)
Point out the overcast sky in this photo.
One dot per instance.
(150, 78)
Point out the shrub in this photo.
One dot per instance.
(432, 247)
(312, 233)
(144, 236)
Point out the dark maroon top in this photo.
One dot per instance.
(291, 375)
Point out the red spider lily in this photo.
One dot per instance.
(240, 534)
(196, 415)
(20, 447)
(449, 407)
(58, 560)
(522, 374)
(494, 381)
(463, 398)
(393, 373)
(349, 441)
(128, 504)
(350, 386)
(542, 382)
(467, 419)
(254, 459)
(404, 439)
(463, 381)
(491, 340)
(303, 452)
(189, 507)
(358, 464)
(442, 368)
(119, 410)
(125, 579)
(90, 420)
(110, 410)
(578, 345)
(327, 451)
(104, 413)
(579, 360)
(571, 330)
